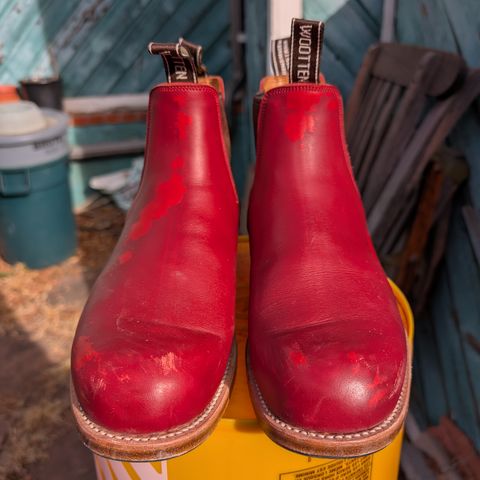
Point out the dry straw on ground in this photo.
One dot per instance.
(38, 314)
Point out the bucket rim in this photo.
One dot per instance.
(404, 308)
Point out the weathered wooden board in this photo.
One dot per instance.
(102, 39)
(464, 20)
(349, 31)
(427, 377)
(106, 133)
(472, 221)
(374, 8)
(15, 19)
(202, 28)
(321, 9)
(425, 23)
(467, 139)
(335, 71)
(351, 28)
(128, 52)
(463, 409)
(100, 45)
(182, 20)
(221, 61)
(464, 281)
(454, 26)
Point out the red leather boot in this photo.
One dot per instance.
(153, 356)
(328, 366)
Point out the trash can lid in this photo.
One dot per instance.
(21, 117)
(51, 124)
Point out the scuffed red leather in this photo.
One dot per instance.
(326, 343)
(154, 339)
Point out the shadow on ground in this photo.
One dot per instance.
(39, 310)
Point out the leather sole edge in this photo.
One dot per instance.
(331, 445)
(160, 445)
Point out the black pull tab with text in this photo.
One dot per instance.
(305, 50)
(196, 52)
(179, 65)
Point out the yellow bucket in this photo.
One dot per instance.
(239, 450)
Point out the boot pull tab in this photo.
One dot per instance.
(179, 65)
(280, 56)
(306, 42)
(196, 52)
(299, 56)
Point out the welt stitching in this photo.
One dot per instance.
(366, 433)
(193, 424)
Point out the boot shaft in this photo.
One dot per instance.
(303, 174)
(187, 143)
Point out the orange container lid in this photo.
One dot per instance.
(8, 93)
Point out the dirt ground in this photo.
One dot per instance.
(39, 310)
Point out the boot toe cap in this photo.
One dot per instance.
(333, 380)
(143, 390)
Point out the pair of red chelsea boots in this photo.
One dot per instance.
(153, 357)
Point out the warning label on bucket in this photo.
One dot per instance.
(351, 469)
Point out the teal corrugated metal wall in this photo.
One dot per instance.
(100, 45)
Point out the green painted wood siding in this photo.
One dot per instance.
(100, 45)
